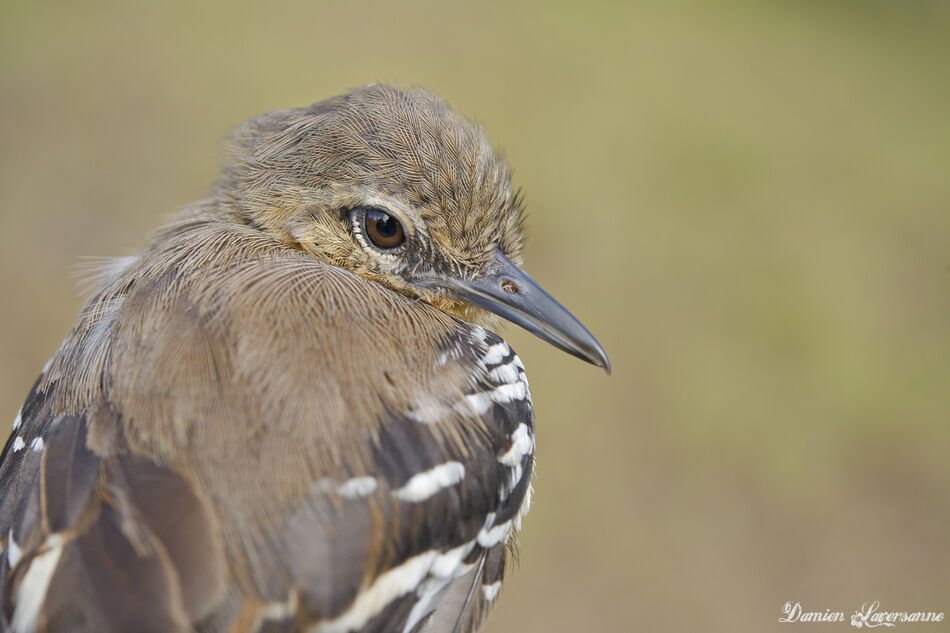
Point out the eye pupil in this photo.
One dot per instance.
(383, 230)
(387, 227)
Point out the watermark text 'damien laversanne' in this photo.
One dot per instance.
(869, 615)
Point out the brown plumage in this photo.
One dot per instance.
(265, 421)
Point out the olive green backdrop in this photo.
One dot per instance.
(747, 202)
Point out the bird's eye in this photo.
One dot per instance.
(382, 229)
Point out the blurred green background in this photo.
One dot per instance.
(748, 203)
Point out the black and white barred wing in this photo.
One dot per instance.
(418, 544)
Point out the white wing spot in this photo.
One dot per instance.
(479, 403)
(514, 477)
(445, 568)
(32, 593)
(357, 487)
(13, 550)
(490, 536)
(19, 420)
(522, 443)
(474, 404)
(280, 610)
(506, 393)
(504, 373)
(37, 444)
(429, 589)
(425, 484)
(388, 586)
(496, 353)
(449, 564)
(18, 444)
(478, 334)
(491, 591)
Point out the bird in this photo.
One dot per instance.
(290, 411)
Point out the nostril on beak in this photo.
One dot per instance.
(509, 286)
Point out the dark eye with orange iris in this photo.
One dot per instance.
(382, 229)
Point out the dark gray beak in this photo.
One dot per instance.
(510, 293)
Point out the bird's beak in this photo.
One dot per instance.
(510, 293)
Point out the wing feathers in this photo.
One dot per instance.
(105, 583)
(107, 545)
(69, 472)
(171, 511)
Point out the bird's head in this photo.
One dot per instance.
(395, 186)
